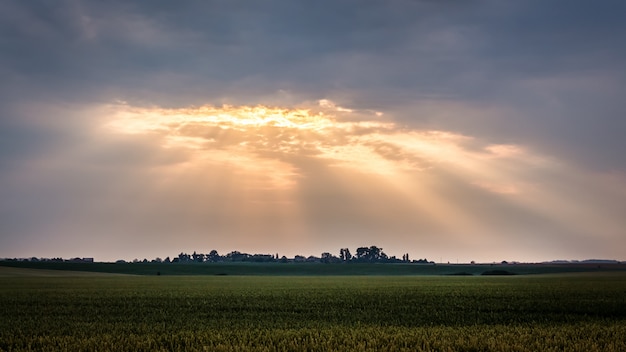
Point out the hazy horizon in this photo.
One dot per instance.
(482, 131)
(304, 253)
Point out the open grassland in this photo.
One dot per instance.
(565, 312)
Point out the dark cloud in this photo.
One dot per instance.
(214, 45)
(386, 53)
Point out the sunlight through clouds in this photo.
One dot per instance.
(270, 138)
(451, 183)
(444, 129)
(265, 177)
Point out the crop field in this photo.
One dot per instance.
(560, 312)
(300, 269)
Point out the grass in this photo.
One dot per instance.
(574, 312)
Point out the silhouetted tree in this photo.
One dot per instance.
(184, 257)
(375, 253)
(345, 255)
(371, 254)
(197, 257)
(362, 253)
(213, 256)
(329, 258)
(236, 256)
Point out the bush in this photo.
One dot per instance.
(498, 272)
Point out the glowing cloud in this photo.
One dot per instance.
(263, 178)
(260, 138)
(339, 170)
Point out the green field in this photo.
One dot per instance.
(299, 269)
(47, 310)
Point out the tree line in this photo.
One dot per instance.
(372, 254)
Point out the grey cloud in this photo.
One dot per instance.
(557, 38)
(211, 44)
(386, 52)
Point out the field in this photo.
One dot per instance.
(47, 310)
(299, 269)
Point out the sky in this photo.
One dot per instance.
(449, 130)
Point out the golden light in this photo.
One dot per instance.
(268, 148)
(270, 140)
(305, 170)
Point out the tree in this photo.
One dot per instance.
(197, 257)
(371, 254)
(184, 257)
(213, 256)
(236, 256)
(329, 258)
(345, 255)
(362, 253)
(375, 253)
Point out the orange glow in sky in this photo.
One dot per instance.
(266, 178)
(147, 130)
(286, 166)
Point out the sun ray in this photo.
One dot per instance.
(371, 174)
